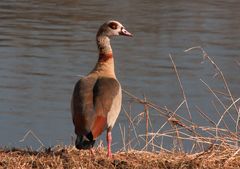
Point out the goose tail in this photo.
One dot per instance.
(84, 142)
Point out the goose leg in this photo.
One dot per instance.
(109, 142)
(92, 152)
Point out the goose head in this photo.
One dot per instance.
(113, 28)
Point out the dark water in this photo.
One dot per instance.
(44, 45)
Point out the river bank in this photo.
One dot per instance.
(70, 157)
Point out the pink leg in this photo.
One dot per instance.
(92, 152)
(109, 142)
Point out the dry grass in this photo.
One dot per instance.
(213, 144)
(69, 157)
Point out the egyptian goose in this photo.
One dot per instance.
(97, 97)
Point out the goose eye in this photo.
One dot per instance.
(113, 25)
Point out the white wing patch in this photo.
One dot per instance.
(115, 109)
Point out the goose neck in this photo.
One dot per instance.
(104, 46)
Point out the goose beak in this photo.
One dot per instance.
(124, 32)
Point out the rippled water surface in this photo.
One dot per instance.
(44, 45)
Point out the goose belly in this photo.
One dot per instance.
(115, 109)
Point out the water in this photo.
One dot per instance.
(44, 45)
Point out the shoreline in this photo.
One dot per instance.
(70, 157)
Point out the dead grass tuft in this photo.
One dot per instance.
(69, 157)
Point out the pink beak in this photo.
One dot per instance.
(124, 32)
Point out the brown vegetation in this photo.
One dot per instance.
(69, 157)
